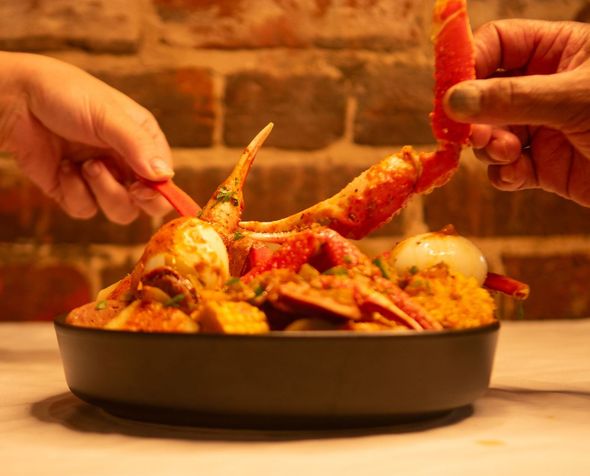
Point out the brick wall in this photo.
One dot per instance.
(344, 81)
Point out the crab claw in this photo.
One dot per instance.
(224, 208)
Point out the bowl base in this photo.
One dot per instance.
(191, 418)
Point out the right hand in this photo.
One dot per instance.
(530, 105)
(83, 143)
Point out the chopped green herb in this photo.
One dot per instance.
(226, 195)
(336, 271)
(174, 301)
(377, 262)
(100, 305)
(232, 281)
(258, 290)
(238, 235)
(414, 269)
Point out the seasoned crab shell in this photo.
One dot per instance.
(191, 247)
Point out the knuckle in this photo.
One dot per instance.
(489, 27)
(149, 123)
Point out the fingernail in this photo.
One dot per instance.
(161, 168)
(91, 168)
(465, 100)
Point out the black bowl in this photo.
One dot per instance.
(281, 380)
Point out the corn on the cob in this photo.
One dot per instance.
(229, 317)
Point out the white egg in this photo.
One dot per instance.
(428, 249)
(193, 248)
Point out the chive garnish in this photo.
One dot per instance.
(174, 301)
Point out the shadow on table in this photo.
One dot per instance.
(67, 410)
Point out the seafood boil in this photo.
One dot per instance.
(209, 272)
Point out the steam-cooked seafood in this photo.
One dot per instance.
(314, 278)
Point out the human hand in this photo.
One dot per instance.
(531, 109)
(82, 142)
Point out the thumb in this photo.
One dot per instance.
(550, 100)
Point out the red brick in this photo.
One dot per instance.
(394, 102)
(373, 24)
(559, 286)
(99, 25)
(308, 111)
(476, 208)
(35, 291)
(181, 100)
(274, 192)
(27, 214)
(23, 209)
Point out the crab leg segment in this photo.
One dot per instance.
(454, 62)
(367, 202)
(178, 198)
(506, 285)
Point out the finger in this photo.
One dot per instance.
(149, 200)
(495, 145)
(134, 133)
(553, 101)
(518, 175)
(504, 146)
(111, 196)
(535, 46)
(480, 135)
(75, 198)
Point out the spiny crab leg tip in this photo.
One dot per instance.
(263, 134)
(254, 146)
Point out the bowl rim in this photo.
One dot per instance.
(59, 323)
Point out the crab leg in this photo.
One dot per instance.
(506, 285)
(178, 198)
(380, 192)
